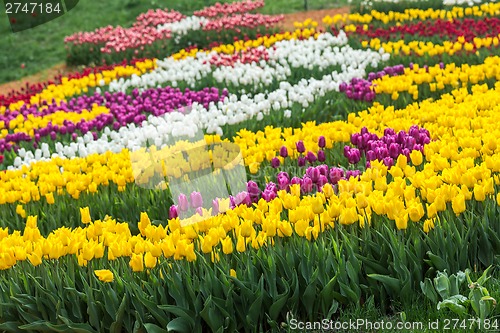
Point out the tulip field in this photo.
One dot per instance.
(215, 172)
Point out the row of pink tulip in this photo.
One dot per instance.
(219, 9)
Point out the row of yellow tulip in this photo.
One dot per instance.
(28, 125)
(486, 9)
(421, 48)
(438, 78)
(257, 226)
(77, 86)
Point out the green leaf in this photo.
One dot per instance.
(116, 326)
(309, 297)
(392, 285)
(484, 277)
(180, 324)
(279, 302)
(438, 262)
(442, 285)
(255, 309)
(77, 327)
(452, 304)
(428, 289)
(10, 326)
(211, 316)
(152, 328)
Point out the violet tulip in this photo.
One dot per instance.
(183, 203)
(196, 199)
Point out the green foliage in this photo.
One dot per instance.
(376, 264)
(479, 303)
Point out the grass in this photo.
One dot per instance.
(43, 47)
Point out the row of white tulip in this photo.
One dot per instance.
(283, 57)
(233, 109)
(182, 27)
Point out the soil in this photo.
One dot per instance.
(50, 73)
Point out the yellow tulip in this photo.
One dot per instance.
(227, 245)
(85, 215)
(136, 262)
(240, 244)
(479, 194)
(246, 229)
(150, 260)
(20, 211)
(50, 198)
(458, 204)
(416, 157)
(104, 275)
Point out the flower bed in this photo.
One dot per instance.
(225, 189)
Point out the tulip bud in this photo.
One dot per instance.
(172, 212)
(371, 155)
(321, 156)
(311, 157)
(182, 202)
(300, 146)
(354, 156)
(321, 142)
(283, 152)
(388, 161)
(394, 150)
(196, 199)
(275, 162)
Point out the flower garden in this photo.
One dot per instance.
(364, 152)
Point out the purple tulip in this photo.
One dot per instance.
(253, 190)
(183, 203)
(283, 152)
(296, 180)
(283, 183)
(371, 155)
(275, 162)
(321, 142)
(215, 206)
(268, 195)
(321, 156)
(307, 185)
(311, 158)
(172, 212)
(322, 181)
(394, 150)
(243, 198)
(336, 174)
(196, 200)
(301, 161)
(300, 146)
(354, 156)
(199, 211)
(389, 162)
(323, 169)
